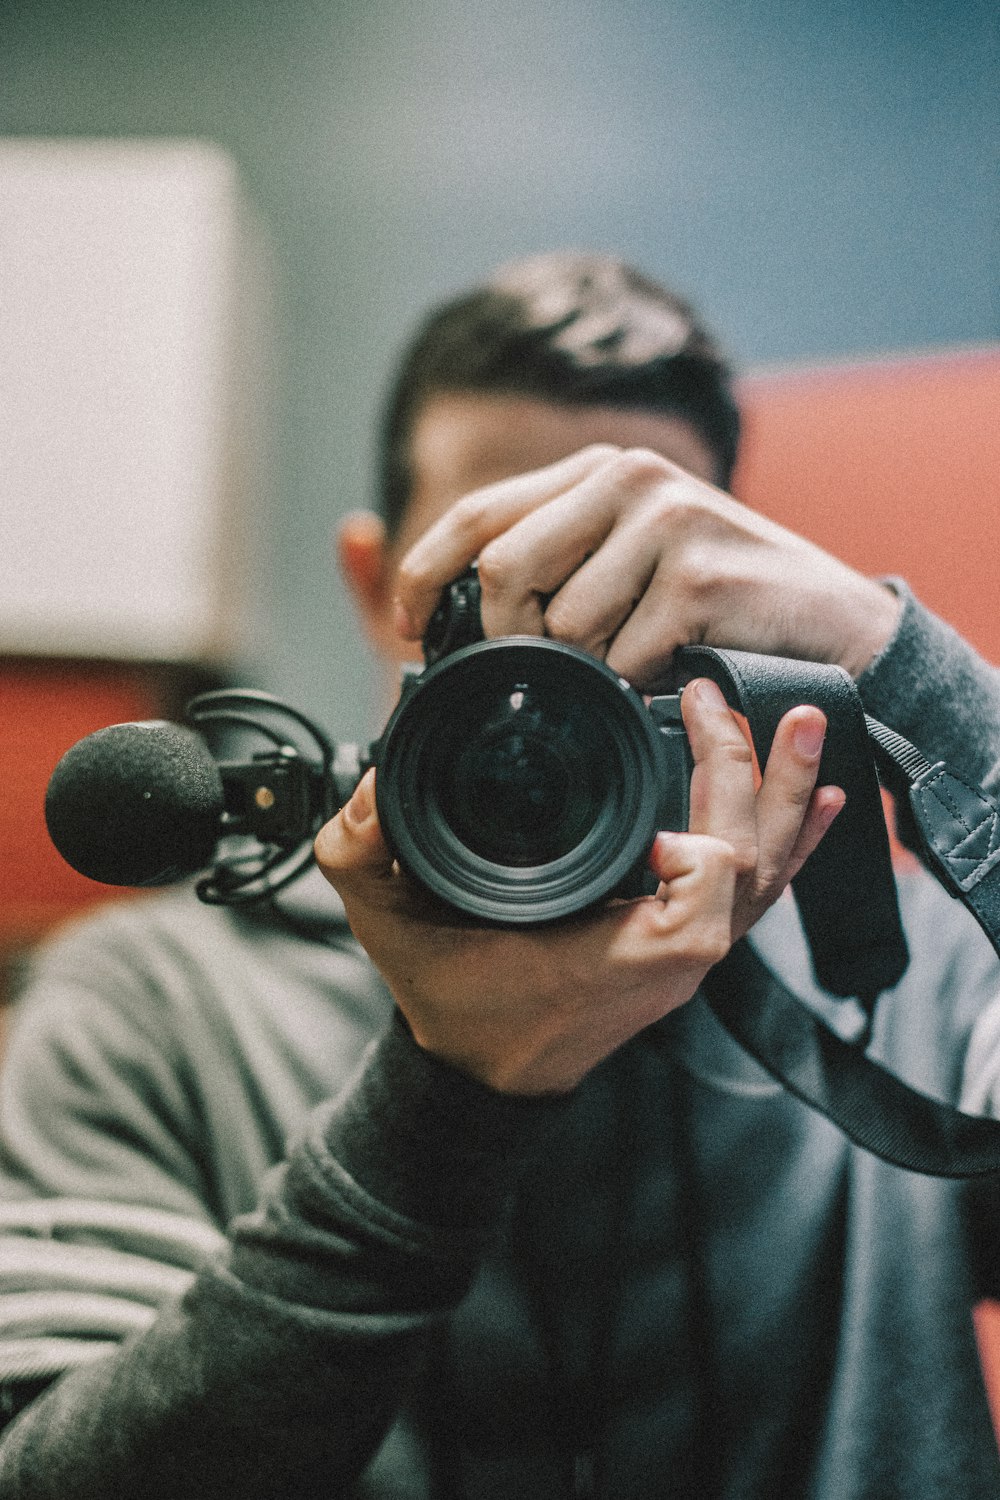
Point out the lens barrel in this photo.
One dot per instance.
(521, 780)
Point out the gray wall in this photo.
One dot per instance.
(821, 178)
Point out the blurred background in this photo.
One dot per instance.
(220, 220)
(820, 179)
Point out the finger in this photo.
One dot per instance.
(693, 911)
(722, 794)
(824, 805)
(542, 553)
(650, 633)
(519, 570)
(456, 540)
(589, 609)
(786, 790)
(677, 856)
(350, 849)
(754, 897)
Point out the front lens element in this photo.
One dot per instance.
(520, 785)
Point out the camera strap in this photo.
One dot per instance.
(846, 895)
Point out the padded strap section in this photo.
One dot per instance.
(960, 823)
(846, 891)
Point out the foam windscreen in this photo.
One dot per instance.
(136, 804)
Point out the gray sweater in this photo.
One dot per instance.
(256, 1243)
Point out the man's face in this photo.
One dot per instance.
(462, 442)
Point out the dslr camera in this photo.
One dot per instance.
(518, 780)
(521, 780)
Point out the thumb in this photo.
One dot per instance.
(350, 849)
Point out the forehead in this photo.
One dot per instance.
(462, 442)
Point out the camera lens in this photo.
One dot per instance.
(520, 780)
(520, 786)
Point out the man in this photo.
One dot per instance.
(555, 1236)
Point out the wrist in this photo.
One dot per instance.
(875, 611)
(535, 1067)
(429, 1141)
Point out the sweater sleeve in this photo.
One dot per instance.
(930, 686)
(277, 1367)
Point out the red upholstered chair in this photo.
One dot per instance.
(894, 465)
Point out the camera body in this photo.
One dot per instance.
(521, 780)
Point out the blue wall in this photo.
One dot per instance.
(821, 178)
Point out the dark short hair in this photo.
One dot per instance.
(576, 329)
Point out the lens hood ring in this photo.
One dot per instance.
(446, 755)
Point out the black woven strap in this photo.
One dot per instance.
(873, 1107)
(846, 892)
(849, 892)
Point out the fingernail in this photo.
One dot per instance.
(658, 847)
(402, 624)
(358, 809)
(808, 737)
(832, 809)
(707, 693)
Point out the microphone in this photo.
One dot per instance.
(136, 804)
(148, 803)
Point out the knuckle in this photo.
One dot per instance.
(328, 847)
(600, 453)
(696, 566)
(562, 620)
(721, 862)
(466, 515)
(636, 468)
(797, 791)
(732, 752)
(768, 880)
(745, 858)
(410, 578)
(323, 846)
(720, 858)
(710, 941)
(495, 565)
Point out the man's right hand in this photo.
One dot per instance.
(620, 552)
